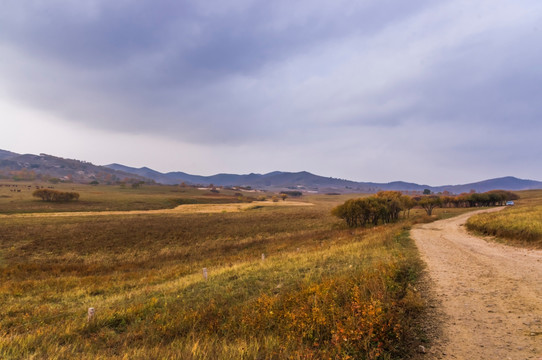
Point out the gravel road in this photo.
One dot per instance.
(488, 296)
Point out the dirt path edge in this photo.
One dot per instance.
(484, 298)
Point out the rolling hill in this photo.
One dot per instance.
(303, 180)
(47, 167)
(44, 167)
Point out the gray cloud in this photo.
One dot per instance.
(434, 78)
(181, 64)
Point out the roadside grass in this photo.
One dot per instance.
(323, 291)
(518, 225)
(109, 197)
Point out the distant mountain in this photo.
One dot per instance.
(168, 178)
(44, 167)
(303, 180)
(504, 183)
(276, 179)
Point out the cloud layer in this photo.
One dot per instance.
(451, 86)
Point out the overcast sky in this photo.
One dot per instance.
(434, 92)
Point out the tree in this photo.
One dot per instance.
(428, 203)
(393, 203)
(427, 192)
(283, 196)
(137, 184)
(407, 203)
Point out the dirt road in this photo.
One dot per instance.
(488, 296)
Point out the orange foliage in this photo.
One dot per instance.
(340, 317)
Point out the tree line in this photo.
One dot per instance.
(489, 198)
(386, 206)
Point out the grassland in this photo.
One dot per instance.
(322, 291)
(520, 224)
(16, 197)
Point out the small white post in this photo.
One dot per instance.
(205, 273)
(91, 314)
(263, 256)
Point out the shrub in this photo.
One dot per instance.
(292, 193)
(55, 196)
(385, 207)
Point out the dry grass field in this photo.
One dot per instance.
(321, 291)
(520, 224)
(16, 197)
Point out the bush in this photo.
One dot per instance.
(55, 196)
(292, 193)
(385, 207)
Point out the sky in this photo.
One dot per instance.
(433, 92)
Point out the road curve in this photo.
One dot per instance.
(489, 294)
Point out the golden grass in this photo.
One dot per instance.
(322, 291)
(521, 224)
(181, 209)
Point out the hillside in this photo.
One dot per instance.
(47, 167)
(7, 154)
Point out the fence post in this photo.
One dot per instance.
(91, 314)
(205, 273)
